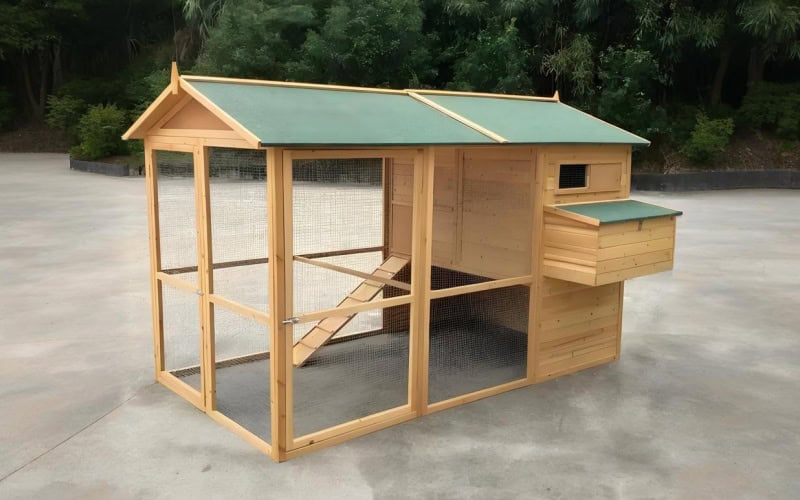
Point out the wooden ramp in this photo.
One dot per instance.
(326, 328)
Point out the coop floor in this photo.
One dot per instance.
(353, 379)
(703, 403)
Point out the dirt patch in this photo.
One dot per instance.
(748, 150)
(34, 138)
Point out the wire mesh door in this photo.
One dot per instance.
(240, 287)
(350, 358)
(481, 271)
(177, 277)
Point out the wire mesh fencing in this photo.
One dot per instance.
(477, 341)
(347, 365)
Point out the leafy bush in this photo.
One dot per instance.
(64, 112)
(100, 131)
(709, 138)
(772, 106)
(6, 108)
(682, 119)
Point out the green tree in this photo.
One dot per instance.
(496, 61)
(31, 38)
(367, 42)
(627, 79)
(257, 39)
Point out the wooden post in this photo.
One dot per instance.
(151, 183)
(537, 248)
(421, 245)
(205, 277)
(280, 295)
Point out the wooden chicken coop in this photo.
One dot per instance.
(329, 261)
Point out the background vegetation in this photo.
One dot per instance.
(696, 77)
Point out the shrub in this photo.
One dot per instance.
(772, 106)
(100, 131)
(709, 138)
(681, 121)
(6, 108)
(64, 112)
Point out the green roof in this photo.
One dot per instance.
(524, 122)
(609, 212)
(301, 116)
(282, 116)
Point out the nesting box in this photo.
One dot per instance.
(328, 261)
(606, 242)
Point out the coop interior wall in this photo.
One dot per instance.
(470, 218)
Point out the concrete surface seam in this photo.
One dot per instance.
(37, 457)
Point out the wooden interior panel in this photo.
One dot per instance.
(483, 211)
(401, 183)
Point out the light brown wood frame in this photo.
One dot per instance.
(285, 445)
(205, 398)
(159, 279)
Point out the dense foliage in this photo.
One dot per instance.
(99, 132)
(674, 72)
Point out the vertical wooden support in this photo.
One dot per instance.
(280, 294)
(537, 249)
(151, 183)
(421, 245)
(205, 276)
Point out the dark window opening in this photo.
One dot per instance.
(572, 176)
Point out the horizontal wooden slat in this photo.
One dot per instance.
(633, 272)
(609, 320)
(635, 248)
(569, 272)
(627, 238)
(622, 263)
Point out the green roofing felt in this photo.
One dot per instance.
(540, 122)
(301, 116)
(608, 212)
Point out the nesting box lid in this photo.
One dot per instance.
(610, 212)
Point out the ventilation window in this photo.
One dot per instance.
(572, 176)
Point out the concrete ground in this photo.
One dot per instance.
(704, 403)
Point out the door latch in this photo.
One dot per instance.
(293, 320)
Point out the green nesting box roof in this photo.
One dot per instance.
(609, 212)
(281, 115)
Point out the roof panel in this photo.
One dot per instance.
(609, 212)
(302, 116)
(535, 122)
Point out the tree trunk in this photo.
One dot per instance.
(719, 75)
(755, 65)
(32, 101)
(58, 72)
(44, 72)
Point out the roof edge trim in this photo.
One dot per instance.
(299, 85)
(452, 114)
(644, 142)
(133, 130)
(484, 94)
